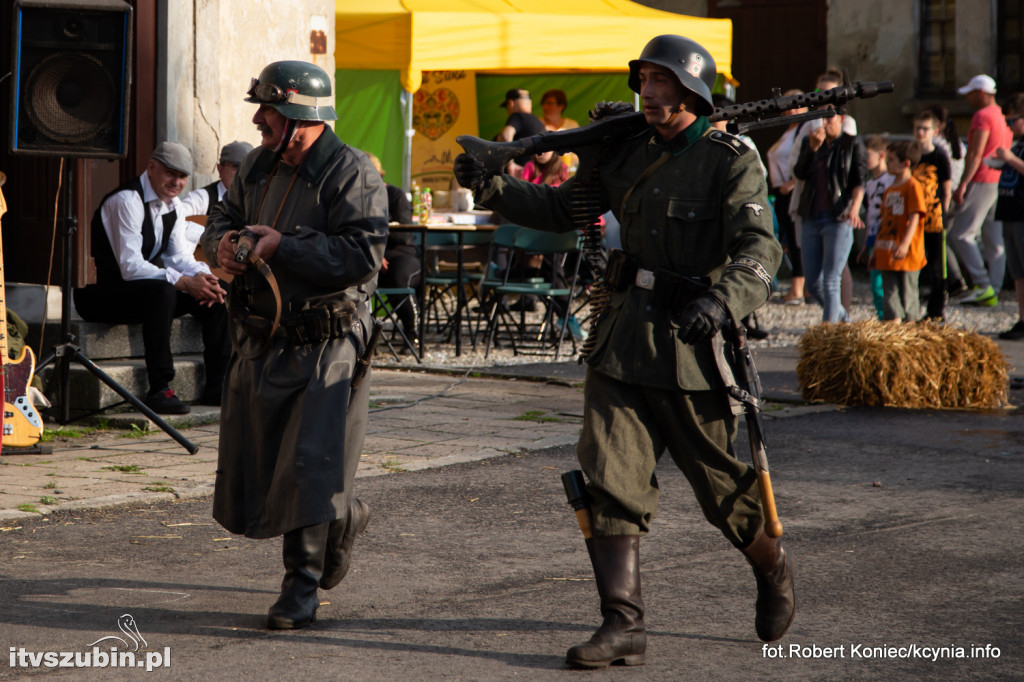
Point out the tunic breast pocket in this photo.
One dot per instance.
(692, 235)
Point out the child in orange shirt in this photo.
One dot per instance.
(899, 249)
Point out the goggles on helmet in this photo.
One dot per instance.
(269, 93)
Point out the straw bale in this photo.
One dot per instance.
(918, 366)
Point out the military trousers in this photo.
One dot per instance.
(626, 428)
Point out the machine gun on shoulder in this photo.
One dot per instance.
(747, 116)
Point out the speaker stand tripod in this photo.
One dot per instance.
(67, 352)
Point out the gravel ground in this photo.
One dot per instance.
(785, 323)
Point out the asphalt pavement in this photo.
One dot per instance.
(905, 526)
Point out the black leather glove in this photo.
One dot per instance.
(606, 109)
(703, 317)
(470, 173)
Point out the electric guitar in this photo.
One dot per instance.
(22, 425)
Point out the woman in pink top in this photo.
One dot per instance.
(546, 169)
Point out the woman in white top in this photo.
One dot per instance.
(781, 180)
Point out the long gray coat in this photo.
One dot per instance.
(289, 441)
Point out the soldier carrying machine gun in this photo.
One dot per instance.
(698, 255)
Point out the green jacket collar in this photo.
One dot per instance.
(693, 132)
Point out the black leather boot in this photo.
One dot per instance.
(340, 537)
(303, 552)
(776, 601)
(621, 637)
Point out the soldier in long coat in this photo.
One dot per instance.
(291, 428)
(693, 205)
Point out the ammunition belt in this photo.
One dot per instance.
(319, 323)
(670, 291)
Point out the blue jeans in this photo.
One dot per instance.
(825, 249)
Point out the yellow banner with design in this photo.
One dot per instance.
(442, 109)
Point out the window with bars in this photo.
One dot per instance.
(938, 46)
(1010, 48)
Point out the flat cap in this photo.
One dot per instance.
(234, 152)
(175, 156)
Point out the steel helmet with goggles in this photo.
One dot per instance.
(692, 65)
(297, 90)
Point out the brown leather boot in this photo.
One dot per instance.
(340, 538)
(303, 554)
(776, 601)
(621, 637)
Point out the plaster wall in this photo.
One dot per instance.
(213, 49)
(879, 40)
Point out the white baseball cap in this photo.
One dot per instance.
(979, 82)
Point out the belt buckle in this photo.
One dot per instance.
(644, 279)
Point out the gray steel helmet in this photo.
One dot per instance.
(297, 90)
(692, 64)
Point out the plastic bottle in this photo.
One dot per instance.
(417, 203)
(426, 204)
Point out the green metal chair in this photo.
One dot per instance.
(383, 301)
(525, 337)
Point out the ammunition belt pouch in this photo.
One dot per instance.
(670, 291)
(320, 322)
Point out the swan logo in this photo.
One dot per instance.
(121, 652)
(127, 625)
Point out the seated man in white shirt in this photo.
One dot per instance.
(146, 273)
(202, 200)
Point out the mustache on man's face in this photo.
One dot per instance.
(264, 128)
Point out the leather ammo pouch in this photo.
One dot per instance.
(621, 270)
(316, 323)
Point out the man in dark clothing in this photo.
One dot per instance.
(292, 425)
(521, 123)
(692, 203)
(201, 201)
(401, 268)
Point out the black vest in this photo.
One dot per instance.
(211, 192)
(107, 269)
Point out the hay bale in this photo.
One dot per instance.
(902, 365)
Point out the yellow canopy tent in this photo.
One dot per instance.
(508, 36)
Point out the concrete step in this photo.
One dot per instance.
(100, 341)
(89, 393)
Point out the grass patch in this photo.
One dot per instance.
(136, 432)
(51, 485)
(392, 465)
(536, 416)
(159, 488)
(48, 501)
(31, 508)
(124, 468)
(67, 432)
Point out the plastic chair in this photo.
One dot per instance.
(525, 337)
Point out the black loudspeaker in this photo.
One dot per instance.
(71, 78)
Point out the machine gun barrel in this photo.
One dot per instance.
(496, 155)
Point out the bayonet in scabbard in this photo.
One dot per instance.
(364, 360)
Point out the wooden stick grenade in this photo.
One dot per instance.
(576, 492)
(755, 429)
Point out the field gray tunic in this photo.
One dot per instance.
(289, 441)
